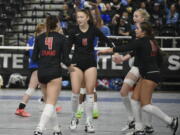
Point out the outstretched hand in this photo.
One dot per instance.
(117, 58)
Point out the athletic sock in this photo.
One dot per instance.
(55, 122)
(147, 118)
(46, 115)
(89, 106)
(95, 106)
(154, 110)
(136, 108)
(75, 103)
(22, 105)
(127, 104)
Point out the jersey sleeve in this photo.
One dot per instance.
(103, 38)
(66, 51)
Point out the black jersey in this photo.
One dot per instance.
(147, 53)
(84, 41)
(50, 51)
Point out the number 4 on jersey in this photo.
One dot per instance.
(49, 42)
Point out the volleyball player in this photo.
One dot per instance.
(140, 15)
(83, 37)
(148, 59)
(33, 83)
(49, 51)
(98, 22)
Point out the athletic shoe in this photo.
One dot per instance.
(74, 123)
(57, 133)
(22, 112)
(38, 131)
(89, 128)
(95, 114)
(174, 125)
(130, 125)
(149, 129)
(58, 109)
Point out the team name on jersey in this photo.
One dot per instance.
(48, 52)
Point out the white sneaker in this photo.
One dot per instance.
(74, 123)
(38, 131)
(57, 130)
(89, 128)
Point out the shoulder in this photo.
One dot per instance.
(59, 36)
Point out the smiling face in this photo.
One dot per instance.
(137, 17)
(82, 18)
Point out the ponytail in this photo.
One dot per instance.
(51, 23)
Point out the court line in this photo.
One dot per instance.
(100, 99)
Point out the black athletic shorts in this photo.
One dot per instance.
(153, 76)
(45, 76)
(84, 63)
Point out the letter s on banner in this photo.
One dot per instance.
(174, 61)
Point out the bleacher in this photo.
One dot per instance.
(19, 18)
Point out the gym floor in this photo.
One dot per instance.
(113, 115)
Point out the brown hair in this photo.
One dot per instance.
(147, 28)
(97, 20)
(87, 12)
(51, 23)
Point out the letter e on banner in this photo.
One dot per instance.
(17, 61)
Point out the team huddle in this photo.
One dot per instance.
(51, 48)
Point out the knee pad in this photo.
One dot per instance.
(83, 91)
(135, 71)
(90, 98)
(30, 91)
(130, 82)
(75, 97)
